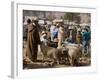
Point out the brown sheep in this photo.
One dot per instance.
(73, 54)
(49, 52)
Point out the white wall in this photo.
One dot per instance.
(5, 38)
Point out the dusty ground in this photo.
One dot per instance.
(84, 61)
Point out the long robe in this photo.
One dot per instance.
(33, 39)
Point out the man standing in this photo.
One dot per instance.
(60, 33)
(53, 27)
(86, 40)
(33, 39)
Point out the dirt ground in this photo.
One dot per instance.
(85, 60)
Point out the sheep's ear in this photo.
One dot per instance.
(63, 45)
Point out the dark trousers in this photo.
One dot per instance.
(34, 53)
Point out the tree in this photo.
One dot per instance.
(61, 17)
(49, 17)
(72, 17)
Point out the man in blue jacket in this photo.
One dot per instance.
(86, 40)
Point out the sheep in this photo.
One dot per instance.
(74, 53)
(50, 52)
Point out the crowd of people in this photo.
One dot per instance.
(55, 35)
